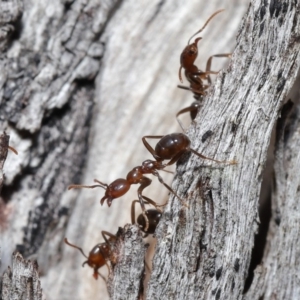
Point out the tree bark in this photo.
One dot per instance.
(82, 81)
(22, 281)
(204, 252)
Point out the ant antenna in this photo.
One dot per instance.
(200, 30)
(79, 186)
(76, 247)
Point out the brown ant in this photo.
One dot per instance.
(120, 186)
(194, 75)
(153, 217)
(99, 255)
(170, 147)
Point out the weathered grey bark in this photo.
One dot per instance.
(204, 252)
(83, 75)
(126, 279)
(43, 78)
(21, 282)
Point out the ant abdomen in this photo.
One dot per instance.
(154, 216)
(171, 145)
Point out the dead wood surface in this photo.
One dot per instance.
(222, 217)
(82, 81)
(21, 282)
(126, 279)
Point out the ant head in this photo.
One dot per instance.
(116, 189)
(190, 52)
(188, 56)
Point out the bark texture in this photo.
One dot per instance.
(126, 279)
(82, 81)
(204, 251)
(21, 282)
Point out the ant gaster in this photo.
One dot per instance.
(153, 216)
(194, 75)
(99, 255)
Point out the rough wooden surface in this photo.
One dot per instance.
(281, 258)
(126, 278)
(21, 282)
(49, 100)
(82, 81)
(204, 252)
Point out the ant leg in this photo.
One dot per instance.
(193, 109)
(168, 187)
(111, 236)
(208, 64)
(173, 160)
(149, 201)
(79, 186)
(13, 150)
(108, 267)
(167, 171)
(203, 93)
(99, 274)
(205, 75)
(231, 162)
(144, 182)
(179, 74)
(147, 145)
(147, 267)
(133, 211)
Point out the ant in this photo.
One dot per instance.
(194, 75)
(153, 216)
(170, 147)
(99, 255)
(120, 186)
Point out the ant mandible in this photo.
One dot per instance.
(194, 75)
(99, 255)
(153, 216)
